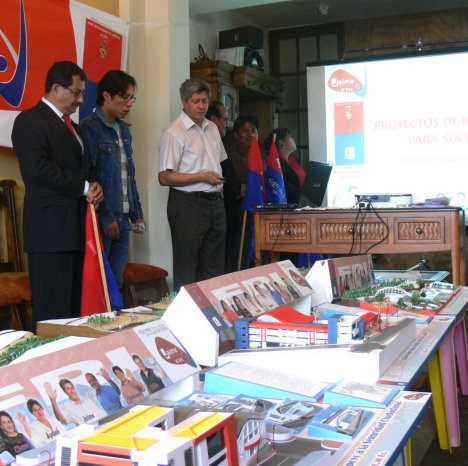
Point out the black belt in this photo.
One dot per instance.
(202, 194)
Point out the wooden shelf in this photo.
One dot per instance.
(213, 71)
(252, 80)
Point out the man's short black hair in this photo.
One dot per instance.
(114, 82)
(62, 383)
(62, 73)
(242, 120)
(117, 368)
(214, 109)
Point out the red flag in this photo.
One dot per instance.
(93, 295)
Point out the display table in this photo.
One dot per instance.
(435, 348)
(172, 356)
(341, 231)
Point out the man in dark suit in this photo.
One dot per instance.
(54, 165)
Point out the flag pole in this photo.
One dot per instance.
(239, 261)
(101, 262)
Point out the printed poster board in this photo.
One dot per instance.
(204, 311)
(98, 378)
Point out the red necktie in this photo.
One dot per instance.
(66, 119)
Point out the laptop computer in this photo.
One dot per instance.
(315, 184)
(313, 190)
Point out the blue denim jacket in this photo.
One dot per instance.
(103, 143)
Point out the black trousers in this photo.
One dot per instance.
(55, 279)
(198, 229)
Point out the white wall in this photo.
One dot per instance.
(159, 60)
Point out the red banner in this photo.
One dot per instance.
(35, 35)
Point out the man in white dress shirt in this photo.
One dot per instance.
(76, 410)
(190, 156)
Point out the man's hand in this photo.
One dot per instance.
(212, 178)
(138, 222)
(51, 392)
(104, 374)
(94, 194)
(112, 231)
(242, 191)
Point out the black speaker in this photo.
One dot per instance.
(247, 36)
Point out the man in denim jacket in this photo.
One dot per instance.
(109, 141)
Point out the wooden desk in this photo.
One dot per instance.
(339, 231)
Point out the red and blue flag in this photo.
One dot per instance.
(275, 190)
(255, 190)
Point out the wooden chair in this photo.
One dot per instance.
(15, 291)
(143, 277)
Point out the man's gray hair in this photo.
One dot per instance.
(194, 86)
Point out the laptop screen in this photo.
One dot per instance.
(315, 184)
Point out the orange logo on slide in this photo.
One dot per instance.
(342, 81)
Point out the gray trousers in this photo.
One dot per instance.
(198, 229)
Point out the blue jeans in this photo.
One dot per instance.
(117, 249)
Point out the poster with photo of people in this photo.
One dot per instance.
(45, 396)
(203, 314)
(251, 292)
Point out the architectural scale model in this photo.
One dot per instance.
(388, 297)
(147, 436)
(298, 330)
(96, 325)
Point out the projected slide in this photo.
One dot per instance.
(392, 126)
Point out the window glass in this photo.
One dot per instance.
(304, 133)
(287, 55)
(303, 90)
(290, 93)
(289, 120)
(307, 51)
(329, 47)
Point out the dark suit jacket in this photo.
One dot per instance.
(54, 171)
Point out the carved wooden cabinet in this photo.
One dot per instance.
(385, 231)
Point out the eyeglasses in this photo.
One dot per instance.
(128, 97)
(76, 92)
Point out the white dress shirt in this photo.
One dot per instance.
(185, 147)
